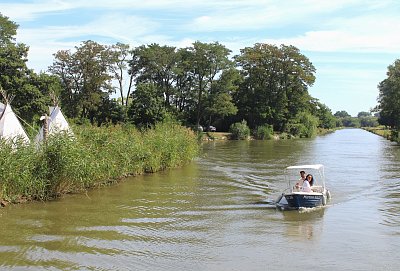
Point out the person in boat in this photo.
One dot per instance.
(310, 179)
(299, 183)
(307, 184)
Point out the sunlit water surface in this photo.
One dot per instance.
(214, 214)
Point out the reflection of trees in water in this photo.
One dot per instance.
(389, 182)
(390, 207)
(306, 230)
(304, 223)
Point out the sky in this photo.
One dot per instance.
(350, 42)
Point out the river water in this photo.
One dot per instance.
(214, 214)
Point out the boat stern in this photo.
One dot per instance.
(304, 200)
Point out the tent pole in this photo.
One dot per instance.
(45, 127)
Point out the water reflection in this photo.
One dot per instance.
(304, 224)
(389, 182)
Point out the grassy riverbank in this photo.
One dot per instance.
(210, 136)
(96, 156)
(380, 130)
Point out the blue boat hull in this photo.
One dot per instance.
(304, 200)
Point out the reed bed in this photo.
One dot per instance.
(94, 156)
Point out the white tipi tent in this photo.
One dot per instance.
(10, 128)
(56, 124)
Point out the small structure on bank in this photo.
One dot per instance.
(53, 124)
(10, 128)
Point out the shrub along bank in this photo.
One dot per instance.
(95, 156)
(305, 126)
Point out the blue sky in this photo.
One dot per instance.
(350, 42)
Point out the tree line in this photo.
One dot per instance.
(388, 107)
(265, 85)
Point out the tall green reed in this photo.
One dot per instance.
(94, 156)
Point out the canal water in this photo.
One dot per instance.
(214, 214)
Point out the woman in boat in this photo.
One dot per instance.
(310, 179)
(307, 184)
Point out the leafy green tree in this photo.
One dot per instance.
(275, 85)
(192, 80)
(121, 55)
(324, 114)
(304, 125)
(368, 121)
(389, 97)
(85, 78)
(13, 58)
(219, 103)
(341, 114)
(147, 105)
(207, 60)
(42, 88)
(350, 122)
(110, 111)
(363, 114)
(156, 64)
(185, 99)
(15, 78)
(8, 30)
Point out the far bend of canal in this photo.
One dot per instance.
(212, 215)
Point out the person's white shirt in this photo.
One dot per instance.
(298, 186)
(306, 187)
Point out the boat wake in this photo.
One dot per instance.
(303, 210)
(268, 204)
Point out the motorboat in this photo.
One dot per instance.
(296, 196)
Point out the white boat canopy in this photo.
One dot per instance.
(316, 166)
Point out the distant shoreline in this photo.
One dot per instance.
(221, 136)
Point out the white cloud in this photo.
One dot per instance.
(117, 26)
(266, 14)
(46, 41)
(282, 10)
(31, 10)
(36, 8)
(332, 33)
(355, 35)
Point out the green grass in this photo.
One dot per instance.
(379, 130)
(95, 156)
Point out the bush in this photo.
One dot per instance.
(264, 132)
(351, 122)
(394, 136)
(368, 121)
(239, 130)
(296, 129)
(304, 125)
